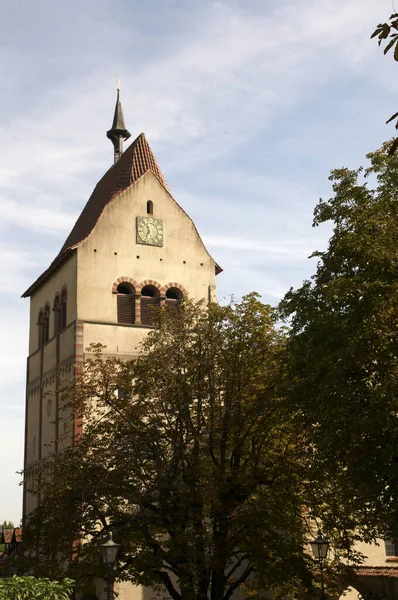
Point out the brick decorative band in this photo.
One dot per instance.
(173, 284)
(124, 280)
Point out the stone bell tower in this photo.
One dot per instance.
(131, 247)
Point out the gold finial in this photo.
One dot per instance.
(117, 82)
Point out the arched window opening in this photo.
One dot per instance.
(149, 207)
(40, 325)
(173, 299)
(46, 324)
(57, 314)
(150, 291)
(174, 294)
(125, 303)
(64, 301)
(149, 298)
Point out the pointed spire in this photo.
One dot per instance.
(118, 132)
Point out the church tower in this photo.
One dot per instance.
(132, 247)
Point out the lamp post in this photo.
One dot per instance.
(109, 552)
(320, 548)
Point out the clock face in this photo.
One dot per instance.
(149, 231)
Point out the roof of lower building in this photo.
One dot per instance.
(379, 571)
(6, 536)
(17, 534)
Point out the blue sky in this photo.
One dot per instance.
(247, 105)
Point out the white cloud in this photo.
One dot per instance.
(35, 217)
(272, 251)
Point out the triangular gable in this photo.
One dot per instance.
(133, 164)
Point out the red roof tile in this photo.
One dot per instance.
(377, 571)
(133, 164)
(18, 534)
(6, 536)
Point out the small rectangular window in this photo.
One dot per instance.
(391, 547)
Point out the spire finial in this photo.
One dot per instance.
(118, 132)
(117, 82)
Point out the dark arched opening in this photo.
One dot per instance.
(149, 298)
(46, 324)
(125, 303)
(40, 328)
(149, 207)
(57, 314)
(173, 299)
(64, 301)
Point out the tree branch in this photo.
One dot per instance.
(234, 586)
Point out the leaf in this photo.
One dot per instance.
(393, 147)
(378, 30)
(385, 31)
(391, 43)
(396, 53)
(394, 116)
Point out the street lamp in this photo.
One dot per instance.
(109, 552)
(320, 548)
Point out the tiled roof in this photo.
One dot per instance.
(18, 534)
(133, 164)
(6, 536)
(377, 571)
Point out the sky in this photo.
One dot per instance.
(247, 105)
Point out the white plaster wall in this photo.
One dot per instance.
(65, 275)
(375, 554)
(111, 251)
(118, 339)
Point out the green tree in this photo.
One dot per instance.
(189, 456)
(343, 351)
(30, 588)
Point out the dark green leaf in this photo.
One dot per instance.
(393, 147)
(391, 43)
(394, 116)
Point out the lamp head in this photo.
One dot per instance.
(320, 547)
(109, 551)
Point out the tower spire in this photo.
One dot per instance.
(118, 132)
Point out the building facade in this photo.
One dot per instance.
(132, 247)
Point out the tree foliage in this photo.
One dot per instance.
(30, 588)
(343, 353)
(190, 457)
(388, 33)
